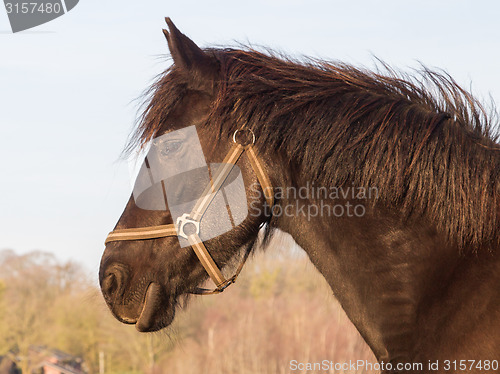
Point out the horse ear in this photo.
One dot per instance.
(200, 68)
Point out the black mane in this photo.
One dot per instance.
(424, 142)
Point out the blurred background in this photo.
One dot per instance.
(281, 309)
(70, 91)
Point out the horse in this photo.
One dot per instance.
(388, 181)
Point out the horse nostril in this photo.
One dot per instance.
(113, 283)
(109, 286)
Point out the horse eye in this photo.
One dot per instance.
(170, 148)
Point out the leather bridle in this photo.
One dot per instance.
(192, 220)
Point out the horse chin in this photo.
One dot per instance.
(157, 310)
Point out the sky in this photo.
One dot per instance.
(69, 90)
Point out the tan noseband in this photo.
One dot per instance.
(201, 206)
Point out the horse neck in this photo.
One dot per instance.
(460, 321)
(388, 275)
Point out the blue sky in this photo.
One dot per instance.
(68, 90)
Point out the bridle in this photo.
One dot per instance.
(188, 225)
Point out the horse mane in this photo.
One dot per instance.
(426, 144)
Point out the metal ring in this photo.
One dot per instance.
(234, 136)
(184, 220)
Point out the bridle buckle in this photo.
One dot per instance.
(184, 220)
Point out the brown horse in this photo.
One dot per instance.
(388, 182)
